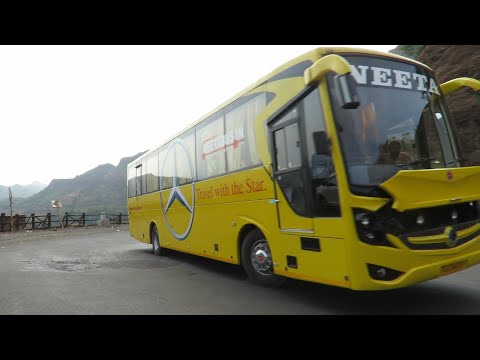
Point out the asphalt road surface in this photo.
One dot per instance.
(110, 273)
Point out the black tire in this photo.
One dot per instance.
(259, 268)
(156, 248)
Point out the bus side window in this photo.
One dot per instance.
(138, 180)
(241, 149)
(210, 137)
(288, 161)
(131, 181)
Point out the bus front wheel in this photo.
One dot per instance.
(156, 248)
(257, 260)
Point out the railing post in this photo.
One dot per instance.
(83, 219)
(66, 219)
(33, 221)
(49, 220)
(119, 219)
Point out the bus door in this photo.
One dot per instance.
(306, 183)
(289, 173)
(307, 191)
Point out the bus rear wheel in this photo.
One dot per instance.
(257, 260)
(156, 248)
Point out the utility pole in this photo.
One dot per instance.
(11, 208)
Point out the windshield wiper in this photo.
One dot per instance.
(416, 161)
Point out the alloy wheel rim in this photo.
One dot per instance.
(261, 258)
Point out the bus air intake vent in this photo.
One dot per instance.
(292, 262)
(310, 244)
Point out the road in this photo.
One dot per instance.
(110, 273)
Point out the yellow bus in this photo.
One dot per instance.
(341, 167)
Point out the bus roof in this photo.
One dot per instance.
(312, 55)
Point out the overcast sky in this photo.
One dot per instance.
(67, 109)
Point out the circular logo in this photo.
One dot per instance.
(176, 198)
(452, 237)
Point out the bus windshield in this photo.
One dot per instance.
(400, 124)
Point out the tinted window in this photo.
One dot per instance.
(287, 147)
(211, 148)
(138, 180)
(166, 167)
(240, 139)
(152, 172)
(131, 181)
(293, 146)
(185, 158)
(280, 149)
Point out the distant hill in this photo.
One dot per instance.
(100, 189)
(22, 191)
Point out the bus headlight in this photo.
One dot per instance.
(370, 230)
(366, 220)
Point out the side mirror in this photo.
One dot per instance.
(322, 144)
(320, 69)
(347, 87)
(455, 84)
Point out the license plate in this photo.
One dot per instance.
(454, 267)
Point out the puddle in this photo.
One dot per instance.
(85, 264)
(72, 265)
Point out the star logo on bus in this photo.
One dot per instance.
(452, 236)
(176, 194)
(176, 198)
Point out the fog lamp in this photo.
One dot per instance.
(420, 220)
(454, 215)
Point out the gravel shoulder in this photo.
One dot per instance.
(7, 238)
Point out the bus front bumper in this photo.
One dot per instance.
(441, 265)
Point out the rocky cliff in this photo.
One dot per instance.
(411, 51)
(453, 61)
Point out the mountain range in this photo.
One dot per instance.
(22, 191)
(100, 189)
